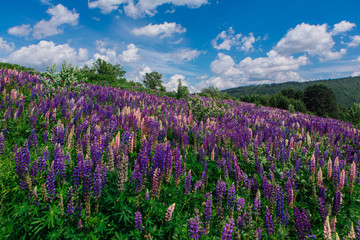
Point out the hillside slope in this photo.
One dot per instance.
(346, 89)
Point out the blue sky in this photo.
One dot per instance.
(219, 43)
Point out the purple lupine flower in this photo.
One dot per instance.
(322, 209)
(193, 227)
(70, 207)
(258, 233)
(59, 161)
(257, 203)
(136, 177)
(207, 210)
(231, 197)
(289, 193)
(322, 192)
(240, 204)
(138, 221)
(357, 229)
(337, 203)
(2, 138)
(269, 222)
(280, 205)
(188, 183)
(155, 182)
(50, 181)
(241, 220)
(97, 181)
(79, 225)
(220, 190)
(302, 222)
(228, 230)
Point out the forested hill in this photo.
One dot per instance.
(346, 89)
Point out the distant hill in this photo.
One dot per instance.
(347, 90)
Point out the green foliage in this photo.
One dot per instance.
(320, 99)
(18, 67)
(353, 114)
(345, 89)
(103, 73)
(213, 92)
(182, 91)
(153, 81)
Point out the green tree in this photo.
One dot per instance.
(321, 100)
(153, 81)
(353, 114)
(292, 93)
(103, 72)
(182, 91)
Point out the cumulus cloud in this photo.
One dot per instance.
(23, 30)
(142, 8)
(228, 39)
(60, 15)
(173, 82)
(162, 30)
(342, 26)
(131, 54)
(140, 73)
(273, 68)
(6, 46)
(312, 39)
(186, 55)
(46, 53)
(355, 41)
(106, 6)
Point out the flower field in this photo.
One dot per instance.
(97, 162)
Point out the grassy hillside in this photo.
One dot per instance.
(345, 89)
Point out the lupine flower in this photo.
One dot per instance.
(257, 203)
(50, 182)
(231, 197)
(289, 193)
(79, 225)
(342, 179)
(169, 212)
(327, 229)
(358, 230)
(337, 203)
(240, 204)
(329, 169)
(269, 222)
(352, 232)
(70, 207)
(193, 227)
(302, 222)
(258, 233)
(147, 195)
(97, 181)
(320, 178)
(333, 224)
(228, 230)
(138, 221)
(1, 143)
(322, 209)
(155, 182)
(207, 211)
(280, 205)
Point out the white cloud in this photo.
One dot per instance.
(142, 8)
(172, 84)
(46, 53)
(355, 74)
(187, 54)
(130, 55)
(355, 41)
(343, 26)
(139, 74)
(273, 68)
(60, 15)
(106, 6)
(6, 46)
(225, 65)
(312, 39)
(227, 39)
(23, 30)
(162, 30)
(358, 59)
(247, 42)
(107, 54)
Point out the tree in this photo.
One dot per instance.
(103, 72)
(153, 81)
(182, 91)
(211, 92)
(321, 100)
